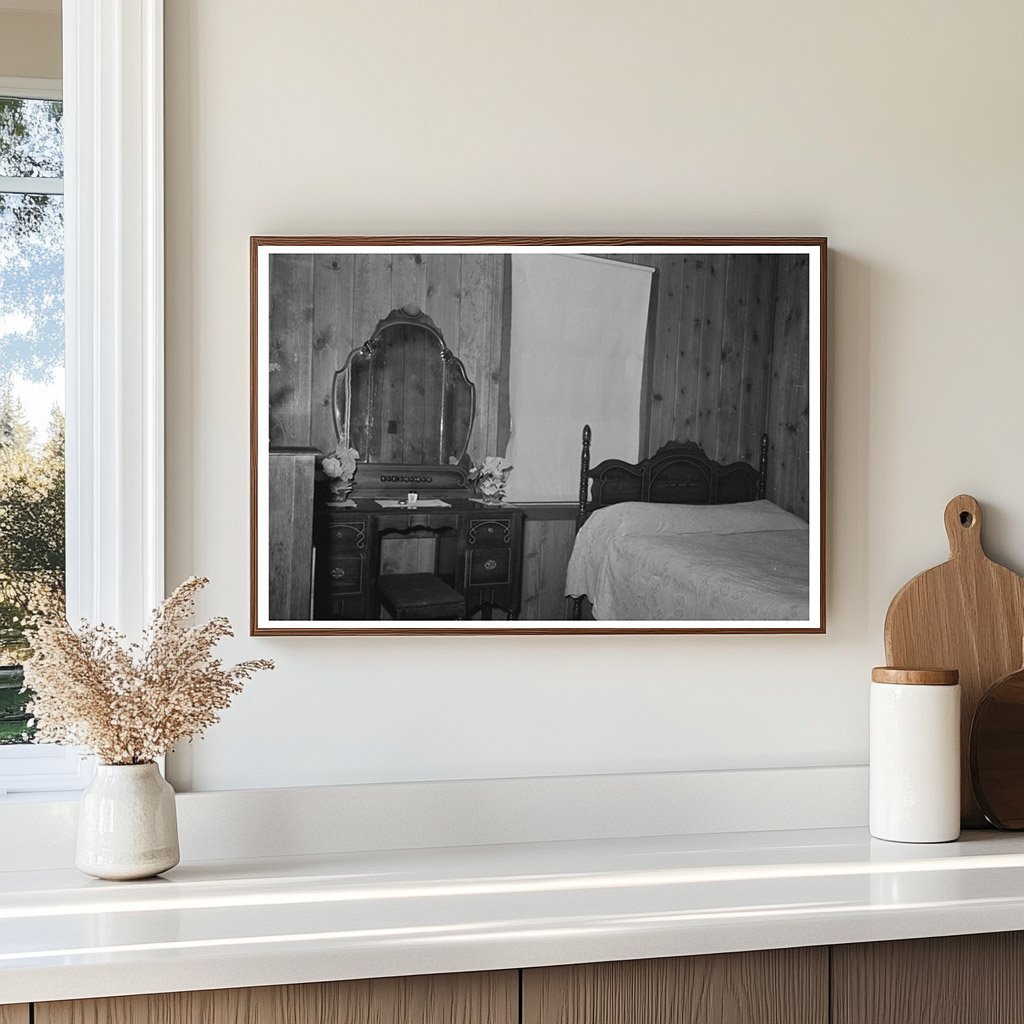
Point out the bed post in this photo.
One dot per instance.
(581, 509)
(762, 468)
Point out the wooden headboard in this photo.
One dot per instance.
(678, 473)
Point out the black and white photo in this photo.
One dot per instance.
(537, 435)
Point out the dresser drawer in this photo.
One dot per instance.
(489, 532)
(346, 536)
(342, 606)
(343, 574)
(488, 567)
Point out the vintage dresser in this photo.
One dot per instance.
(478, 552)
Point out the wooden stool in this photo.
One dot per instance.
(419, 595)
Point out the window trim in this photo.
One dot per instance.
(32, 88)
(32, 186)
(114, 308)
(114, 332)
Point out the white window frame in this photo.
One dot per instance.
(38, 768)
(114, 335)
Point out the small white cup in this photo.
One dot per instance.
(411, 498)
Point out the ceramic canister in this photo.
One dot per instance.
(915, 755)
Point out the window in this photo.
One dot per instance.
(112, 213)
(32, 533)
(31, 382)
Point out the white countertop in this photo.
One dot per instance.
(226, 924)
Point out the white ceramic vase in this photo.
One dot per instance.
(127, 825)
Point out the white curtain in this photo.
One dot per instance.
(578, 329)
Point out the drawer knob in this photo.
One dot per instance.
(490, 565)
(337, 573)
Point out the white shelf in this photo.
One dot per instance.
(353, 915)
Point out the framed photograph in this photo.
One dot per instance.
(537, 435)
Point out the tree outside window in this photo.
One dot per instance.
(31, 385)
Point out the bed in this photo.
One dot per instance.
(681, 537)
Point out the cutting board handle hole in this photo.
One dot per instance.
(966, 519)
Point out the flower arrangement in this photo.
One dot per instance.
(339, 466)
(491, 477)
(130, 703)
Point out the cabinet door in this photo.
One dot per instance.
(780, 986)
(14, 1014)
(344, 567)
(963, 979)
(490, 998)
(491, 573)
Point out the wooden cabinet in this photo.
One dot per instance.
(491, 998)
(974, 979)
(346, 566)
(779, 986)
(478, 551)
(491, 561)
(968, 979)
(963, 979)
(290, 551)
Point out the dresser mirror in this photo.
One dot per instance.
(404, 402)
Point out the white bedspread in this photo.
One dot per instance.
(692, 562)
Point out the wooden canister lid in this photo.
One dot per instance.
(916, 676)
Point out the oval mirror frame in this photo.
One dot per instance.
(403, 398)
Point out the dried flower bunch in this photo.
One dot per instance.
(491, 476)
(340, 463)
(130, 703)
(339, 466)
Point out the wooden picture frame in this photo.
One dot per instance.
(691, 372)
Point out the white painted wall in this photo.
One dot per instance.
(29, 41)
(894, 129)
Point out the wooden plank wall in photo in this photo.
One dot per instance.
(788, 419)
(727, 360)
(291, 349)
(547, 545)
(712, 352)
(324, 305)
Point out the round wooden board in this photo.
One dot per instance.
(997, 752)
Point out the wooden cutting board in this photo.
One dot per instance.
(967, 614)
